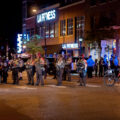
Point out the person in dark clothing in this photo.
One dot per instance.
(101, 67)
(0, 73)
(96, 67)
(5, 72)
(54, 66)
(112, 62)
(105, 63)
(90, 64)
(116, 66)
(67, 69)
(15, 70)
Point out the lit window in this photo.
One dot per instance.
(80, 22)
(70, 26)
(47, 31)
(52, 30)
(62, 28)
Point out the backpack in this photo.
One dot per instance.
(80, 67)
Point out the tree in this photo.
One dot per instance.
(33, 45)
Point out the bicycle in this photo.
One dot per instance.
(110, 77)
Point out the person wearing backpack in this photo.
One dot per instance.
(82, 70)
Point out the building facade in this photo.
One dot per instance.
(64, 26)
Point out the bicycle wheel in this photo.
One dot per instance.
(109, 80)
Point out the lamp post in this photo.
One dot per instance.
(45, 38)
(34, 11)
(80, 45)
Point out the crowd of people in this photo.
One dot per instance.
(39, 65)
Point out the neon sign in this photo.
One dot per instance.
(70, 46)
(46, 16)
(20, 38)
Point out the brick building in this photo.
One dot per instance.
(70, 23)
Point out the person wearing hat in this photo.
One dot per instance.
(82, 70)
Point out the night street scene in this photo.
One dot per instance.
(60, 60)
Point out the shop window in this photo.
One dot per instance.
(62, 28)
(70, 26)
(92, 2)
(47, 31)
(41, 31)
(52, 30)
(79, 28)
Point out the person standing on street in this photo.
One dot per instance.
(116, 66)
(68, 67)
(15, 70)
(30, 70)
(0, 72)
(82, 70)
(54, 65)
(90, 67)
(105, 63)
(5, 71)
(96, 67)
(112, 62)
(101, 67)
(21, 67)
(39, 66)
(60, 68)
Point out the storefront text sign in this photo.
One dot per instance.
(46, 16)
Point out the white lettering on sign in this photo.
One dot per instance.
(70, 46)
(50, 15)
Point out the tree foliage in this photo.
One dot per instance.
(33, 45)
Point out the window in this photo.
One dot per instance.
(47, 31)
(79, 30)
(52, 30)
(41, 31)
(62, 28)
(70, 26)
(92, 2)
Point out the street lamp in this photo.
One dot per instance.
(34, 11)
(80, 45)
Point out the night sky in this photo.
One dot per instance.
(10, 20)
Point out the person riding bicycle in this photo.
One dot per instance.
(82, 70)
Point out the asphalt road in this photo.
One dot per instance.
(69, 102)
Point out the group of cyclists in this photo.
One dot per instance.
(38, 64)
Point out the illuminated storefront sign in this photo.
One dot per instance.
(70, 46)
(20, 42)
(46, 16)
